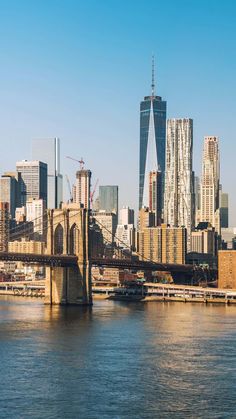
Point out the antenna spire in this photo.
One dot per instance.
(153, 76)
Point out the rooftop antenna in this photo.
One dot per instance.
(153, 77)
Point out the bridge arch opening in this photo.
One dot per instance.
(74, 240)
(58, 240)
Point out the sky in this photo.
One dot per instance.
(78, 70)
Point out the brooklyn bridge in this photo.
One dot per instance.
(68, 258)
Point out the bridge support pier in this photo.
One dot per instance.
(69, 234)
(70, 285)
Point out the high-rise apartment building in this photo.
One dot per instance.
(33, 184)
(210, 183)
(179, 177)
(227, 269)
(81, 189)
(152, 141)
(163, 244)
(48, 151)
(108, 198)
(4, 226)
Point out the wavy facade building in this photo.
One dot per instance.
(179, 176)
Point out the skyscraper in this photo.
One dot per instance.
(224, 209)
(108, 198)
(81, 189)
(155, 199)
(33, 184)
(48, 151)
(197, 194)
(210, 182)
(152, 141)
(10, 191)
(179, 178)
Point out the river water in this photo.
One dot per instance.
(117, 360)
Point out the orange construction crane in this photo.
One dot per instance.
(69, 188)
(93, 192)
(81, 162)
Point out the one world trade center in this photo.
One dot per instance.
(152, 142)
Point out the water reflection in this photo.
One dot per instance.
(117, 360)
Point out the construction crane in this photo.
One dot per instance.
(69, 188)
(93, 192)
(81, 162)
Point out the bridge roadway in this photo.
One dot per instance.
(142, 265)
(46, 260)
(71, 260)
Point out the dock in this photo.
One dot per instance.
(167, 292)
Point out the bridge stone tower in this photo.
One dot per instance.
(68, 234)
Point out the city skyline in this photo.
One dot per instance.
(117, 246)
(44, 115)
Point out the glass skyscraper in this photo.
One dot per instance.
(33, 180)
(108, 198)
(152, 142)
(48, 151)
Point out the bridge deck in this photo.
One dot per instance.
(47, 260)
(72, 260)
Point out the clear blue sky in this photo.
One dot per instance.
(78, 70)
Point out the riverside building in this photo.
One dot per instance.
(227, 269)
(163, 244)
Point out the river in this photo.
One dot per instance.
(117, 360)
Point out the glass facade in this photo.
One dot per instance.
(10, 191)
(33, 182)
(48, 151)
(108, 198)
(224, 209)
(152, 143)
